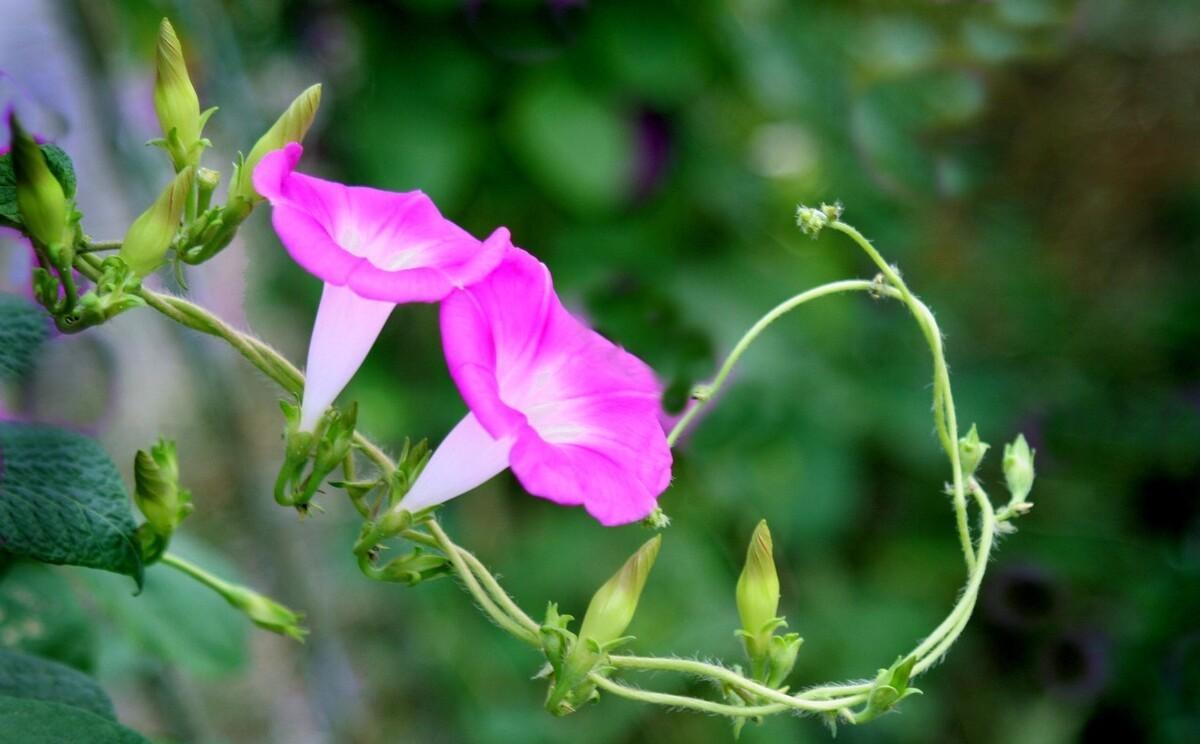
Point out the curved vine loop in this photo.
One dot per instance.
(852, 702)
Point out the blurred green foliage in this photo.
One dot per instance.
(1032, 165)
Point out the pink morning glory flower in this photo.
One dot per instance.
(373, 249)
(573, 415)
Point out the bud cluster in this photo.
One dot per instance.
(812, 220)
(311, 456)
(180, 220)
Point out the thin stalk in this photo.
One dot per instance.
(945, 418)
(711, 389)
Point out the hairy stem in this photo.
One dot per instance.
(704, 394)
(497, 604)
(944, 416)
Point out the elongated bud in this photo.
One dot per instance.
(290, 127)
(758, 592)
(175, 99)
(40, 197)
(612, 607)
(608, 615)
(150, 235)
(971, 451)
(1018, 470)
(265, 612)
(157, 492)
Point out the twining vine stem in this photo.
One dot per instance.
(498, 605)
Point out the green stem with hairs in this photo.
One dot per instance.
(499, 606)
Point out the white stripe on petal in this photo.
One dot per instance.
(466, 458)
(346, 328)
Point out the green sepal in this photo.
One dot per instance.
(114, 293)
(311, 456)
(411, 569)
(891, 686)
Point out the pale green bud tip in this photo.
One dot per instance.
(266, 613)
(1018, 468)
(758, 586)
(971, 451)
(40, 197)
(291, 126)
(811, 220)
(612, 607)
(175, 99)
(156, 488)
(150, 235)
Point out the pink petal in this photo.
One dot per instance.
(346, 327)
(584, 412)
(466, 458)
(384, 245)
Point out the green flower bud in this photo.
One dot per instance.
(265, 612)
(207, 180)
(157, 492)
(150, 235)
(336, 436)
(781, 657)
(1018, 471)
(608, 615)
(812, 220)
(215, 231)
(971, 451)
(612, 607)
(891, 686)
(758, 593)
(40, 198)
(556, 639)
(175, 100)
(290, 127)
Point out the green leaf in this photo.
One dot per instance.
(175, 618)
(62, 501)
(25, 721)
(60, 165)
(62, 168)
(23, 328)
(39, 615)
(24, 676)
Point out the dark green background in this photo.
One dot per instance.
(1033, 167)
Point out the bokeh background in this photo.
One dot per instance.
(1032, 165)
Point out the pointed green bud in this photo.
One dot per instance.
(42, 203)
(608, 615)
(556, 639)
(265, 612)
(971, 451)
(146, 243)
(391, 523)
(758, 593)
(612, 607)
(891, 686)
(1018, 468)
(290, 127)
(175, 100)
(157, 492)
(781, 657)
(336, 437)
